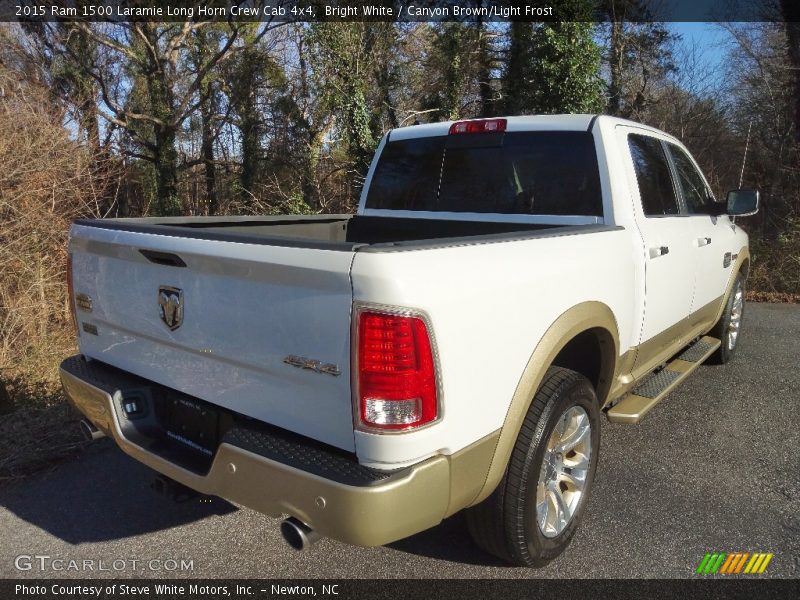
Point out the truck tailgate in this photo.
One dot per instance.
(246, 308)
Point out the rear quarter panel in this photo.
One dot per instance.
(489, 305)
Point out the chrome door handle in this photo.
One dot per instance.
(659, 251)
(703, 241)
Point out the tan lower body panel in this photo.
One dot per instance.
(628, 368)
(640, 360)
(417, 499)
(635, 406)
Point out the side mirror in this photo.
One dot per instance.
(742, 203)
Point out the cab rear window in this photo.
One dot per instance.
(537, 173)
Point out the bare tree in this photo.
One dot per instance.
(152, 59)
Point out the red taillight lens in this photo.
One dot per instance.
(71, 294)
(478, 126)
(396, 372)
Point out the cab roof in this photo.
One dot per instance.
(576, 122)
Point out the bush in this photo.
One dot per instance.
(775, 271)
(47, 179)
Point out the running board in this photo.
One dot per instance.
(633, 407)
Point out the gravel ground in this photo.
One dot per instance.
(716, 467)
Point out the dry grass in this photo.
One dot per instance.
(38, 428)
(774, 297)
(47, 179)
(43, 186)
(35, 438)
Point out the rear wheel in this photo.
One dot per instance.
(533, 514)
(728, 328)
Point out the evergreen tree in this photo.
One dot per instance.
(341, 52)
(565, 66)
(448, 63)
(554, 67)
(518, 76)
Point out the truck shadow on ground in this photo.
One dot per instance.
(104, 495)
(450, 541)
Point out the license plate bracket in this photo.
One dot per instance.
(193, 424)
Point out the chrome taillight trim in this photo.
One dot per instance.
(386, 309)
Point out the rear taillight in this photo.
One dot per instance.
(478, 126)
(396, 372)
(71, 294)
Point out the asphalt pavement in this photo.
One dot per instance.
(713, 468)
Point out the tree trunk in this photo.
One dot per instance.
(90, 125)
(250, 150)
(485, 72)
(165, 153)
(309, 185)
(315, 142)
(210, 169)
(205, 41)
(84, 87)
(615, 59)
(514, 75)
(385, 83)
(207, 115)
(454, 76)
(166, 165)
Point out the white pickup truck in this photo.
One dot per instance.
(452, 345)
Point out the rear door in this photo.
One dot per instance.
(236, 324)
(667, 239)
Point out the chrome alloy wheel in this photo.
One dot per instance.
(564, 469)
(735, 322)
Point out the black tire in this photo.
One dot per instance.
(506, 524)
(721, 330)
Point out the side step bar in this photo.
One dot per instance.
(655, 388)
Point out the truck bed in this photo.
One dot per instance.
(330, 232)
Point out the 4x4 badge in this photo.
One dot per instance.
(301, 362)
(170, 303)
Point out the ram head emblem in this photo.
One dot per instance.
(170, 304)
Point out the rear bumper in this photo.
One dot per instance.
(377, 509)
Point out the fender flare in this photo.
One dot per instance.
(742, 265)
(576, 320)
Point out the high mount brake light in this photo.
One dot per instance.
(478, 126)
(396, 372)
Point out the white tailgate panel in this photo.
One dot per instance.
(246, 308)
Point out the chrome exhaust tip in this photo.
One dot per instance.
(89, 431)
(297, 534)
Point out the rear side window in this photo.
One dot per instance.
(695, 192)
(653, 176)
(538, 173)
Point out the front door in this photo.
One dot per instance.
(712, 235)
